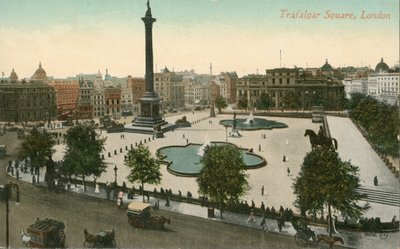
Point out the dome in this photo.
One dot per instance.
(13, 76)
(326, 66)
(40, 74)
(381, 67)
(107, 76)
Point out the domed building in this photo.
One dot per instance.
(326, 67)
(13, 76)
(381, 67)
(22, 101)
(40, 74)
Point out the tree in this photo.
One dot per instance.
(83, 152)
(337, 182)
(220, 103)
(243, 103)
(291, 101)
(222, 179)
(38, 146)
(263, 103)
(144, 167)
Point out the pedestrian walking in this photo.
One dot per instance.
(262, 190)
(259, 147)
(376, 181)
(284, 158)
(263, 224)
(252, 218)
(262, 208)
(288, 171)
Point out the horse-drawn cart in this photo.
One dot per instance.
(47, 233)
(139, 216)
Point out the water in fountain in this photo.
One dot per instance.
(249, 119)
(200, 152)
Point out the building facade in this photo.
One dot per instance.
(138, 89)
(67, 95)
(22, 101)
(85, 100)
(112, 98)
(291, 89)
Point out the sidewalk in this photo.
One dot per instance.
(352, 239)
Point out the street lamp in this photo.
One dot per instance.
(226, 133)
(115, 171)
(5, 195)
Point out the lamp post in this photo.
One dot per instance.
(226, 133)
(5, 195)
(115, 172)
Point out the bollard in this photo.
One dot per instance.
(120, 150)
(115, 152)
(109, 154)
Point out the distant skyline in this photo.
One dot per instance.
(83, 36)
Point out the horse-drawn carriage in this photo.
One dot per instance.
(103, 239)
(307, 237)
(47, 233)
(139, 216)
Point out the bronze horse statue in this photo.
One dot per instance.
(316, 140)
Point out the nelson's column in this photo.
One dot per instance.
(149, 117)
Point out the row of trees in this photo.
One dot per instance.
(324, 182)
(380, 121)
(82, 157)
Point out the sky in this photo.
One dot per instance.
(83, 36)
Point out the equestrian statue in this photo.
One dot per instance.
(320, 139)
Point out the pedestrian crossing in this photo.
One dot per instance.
(381, 197)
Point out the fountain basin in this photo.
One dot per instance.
(253, 124)
(185, 160)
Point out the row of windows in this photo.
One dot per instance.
(384, 78)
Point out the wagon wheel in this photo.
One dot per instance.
(86, 244)
(299, 240)
(314, 240)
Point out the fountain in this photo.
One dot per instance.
(251, 123)
(200, 152)
(185, 160)
(249, 119)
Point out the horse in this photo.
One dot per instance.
(330, 240)
(89, 238)
(102, 239)
(25, 238)
(158, 221)
(315, 140)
